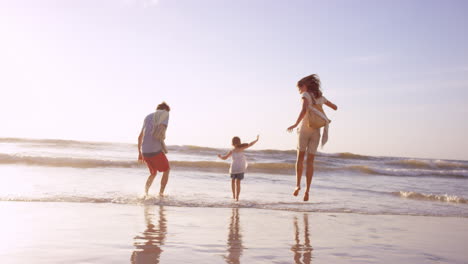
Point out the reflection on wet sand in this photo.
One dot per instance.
(234, 241)
(148, 243)
(303, 251)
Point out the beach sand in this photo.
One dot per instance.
(55, 232)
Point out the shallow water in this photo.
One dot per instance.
(90, 172)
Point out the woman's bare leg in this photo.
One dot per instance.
(299, 169)
(309, 174)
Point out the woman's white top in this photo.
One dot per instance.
(239, 163)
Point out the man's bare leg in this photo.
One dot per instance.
(149, 181)
(164, 180)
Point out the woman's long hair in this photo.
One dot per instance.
(312, 82)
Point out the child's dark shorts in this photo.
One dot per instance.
(238, 176)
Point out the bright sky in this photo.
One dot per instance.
(92, 70)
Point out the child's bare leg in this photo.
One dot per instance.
(149, 181)
(233, 187)
(238, 189)
(164, 179)
(299, 169)
(309, 174)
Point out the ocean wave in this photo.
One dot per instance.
(219, 166)
(189, 149)
(63, 143)
(152, 200)
(431, 197)
(271, 168)
(429, 164)
(226, 203)
(407, 172)
(101, 163)
(54, 141)
(64, 162)
(347, 155)
(282, 154)
(193, 149)
(276, 151)
(263, 153)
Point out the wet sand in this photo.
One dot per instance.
(37, 232)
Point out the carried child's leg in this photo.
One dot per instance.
(233, 187)
(309, 174)
(238, 189)
(299, 169)
(149, 181)
(164, 180)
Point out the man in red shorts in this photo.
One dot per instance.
(150, 147)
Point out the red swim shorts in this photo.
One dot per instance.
(157, 163)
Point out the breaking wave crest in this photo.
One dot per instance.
(349, 155)
(429, 164)
(409, 172)
(431, 197)
(177, 202)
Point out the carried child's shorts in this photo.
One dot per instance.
(238, 176)
(157, 163)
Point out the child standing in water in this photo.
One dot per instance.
(238, 164)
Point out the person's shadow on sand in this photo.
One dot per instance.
(148, 243)
(303, 251)
(234, 241)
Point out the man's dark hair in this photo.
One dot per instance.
(163, 106)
